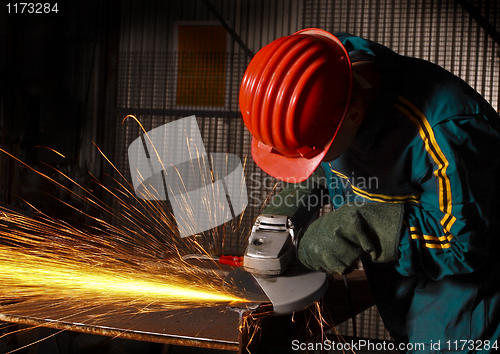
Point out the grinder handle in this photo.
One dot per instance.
(234, 261)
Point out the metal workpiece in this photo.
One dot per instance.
(208, 327)
(244, 327)
(214, 326)
(217, 326)
(276, 333)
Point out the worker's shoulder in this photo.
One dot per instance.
(426, 89)
(447, 101)
(437, 94)
(354, 43)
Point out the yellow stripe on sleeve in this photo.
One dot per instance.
(437, 155)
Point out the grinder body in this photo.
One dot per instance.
(271, 246)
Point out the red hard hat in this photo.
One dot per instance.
(293, 98)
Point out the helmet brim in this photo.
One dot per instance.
(287, 169)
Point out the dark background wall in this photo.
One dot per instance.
(68, 79)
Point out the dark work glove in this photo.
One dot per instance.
(301, 201)
(336, 240)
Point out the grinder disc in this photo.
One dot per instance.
(294, 290)
(244, 285)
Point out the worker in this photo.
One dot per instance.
(409, 154)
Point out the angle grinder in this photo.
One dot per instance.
(271, 271)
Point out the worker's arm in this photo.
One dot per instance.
(449, 231)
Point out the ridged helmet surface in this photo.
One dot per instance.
(293, 99)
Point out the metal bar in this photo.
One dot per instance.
(277, 332)
(248, 328)
(180, 327)
(233, 34)
(481, 20)
(177, 112)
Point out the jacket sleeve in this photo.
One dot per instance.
(449, 232)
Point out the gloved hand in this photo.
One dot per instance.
(300, 201)
(336, 240)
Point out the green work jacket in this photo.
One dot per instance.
(433, 143)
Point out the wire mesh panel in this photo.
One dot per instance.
(176, 59)
(368, 325)
(148, 88)
(441, 31)
(180, 83)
